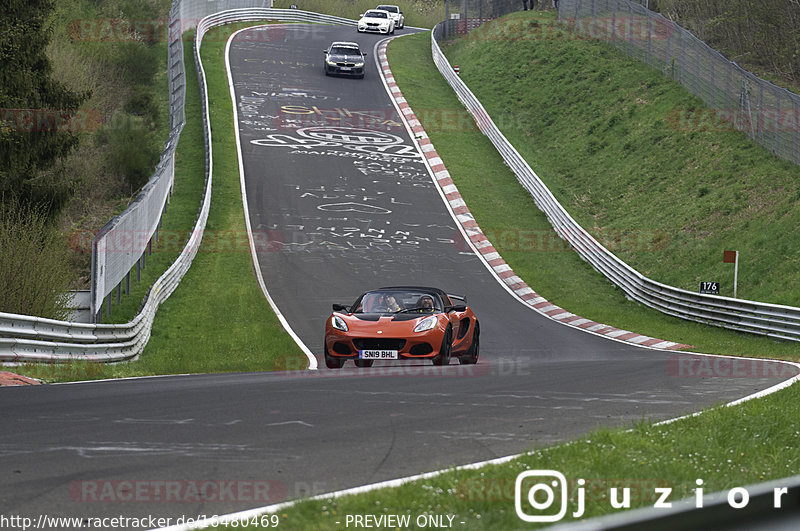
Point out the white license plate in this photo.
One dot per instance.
(377, 354)
(344, 68)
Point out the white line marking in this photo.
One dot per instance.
(302, 423)
(312, 360)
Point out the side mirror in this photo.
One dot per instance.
(339, 308)
(361, 15)
(364, 54)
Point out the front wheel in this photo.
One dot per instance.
(332, 362)
(443, 358)
(471, 357)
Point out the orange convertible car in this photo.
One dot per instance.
(402, 323)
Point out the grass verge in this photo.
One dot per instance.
(217, 320)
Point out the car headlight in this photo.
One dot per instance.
(359, 64)
(338, 323)
(330, 62)
(426, 324)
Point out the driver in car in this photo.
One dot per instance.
(386, 303)
(425, 304)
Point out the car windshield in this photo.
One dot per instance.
(376, 14)
(390, 9)
(344, 50)
(396, 301)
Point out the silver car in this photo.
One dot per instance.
(396, 14)
(376, 20)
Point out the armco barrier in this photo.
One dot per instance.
(747, 316)
(33, 339)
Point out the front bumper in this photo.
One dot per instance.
(344, 70)
(373, 29)
(422, 345)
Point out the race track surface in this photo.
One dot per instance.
(340, 202)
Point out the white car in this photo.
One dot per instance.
(376, 20)
(397, 15)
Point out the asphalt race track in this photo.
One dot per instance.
(340, 202)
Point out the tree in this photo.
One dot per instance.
(36, 112)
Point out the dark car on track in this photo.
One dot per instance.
(402, 323)
(344, 58)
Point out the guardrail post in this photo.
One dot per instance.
(649, 35)
(760, 113)
(797, 131)
(697, 71)
(630, 30)
(777, 121)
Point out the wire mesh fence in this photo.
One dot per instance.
(768, 114)
(465, 15)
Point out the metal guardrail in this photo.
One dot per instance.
(25, 338)
(742, 315)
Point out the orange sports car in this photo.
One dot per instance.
(402, 323)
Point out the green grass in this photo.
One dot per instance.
(608, 136)
(217, 320)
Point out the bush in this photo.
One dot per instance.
(131, 151)
(34, 270)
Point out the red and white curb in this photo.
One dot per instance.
(10, 379)
(482, 244)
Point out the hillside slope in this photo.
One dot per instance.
(637, 160)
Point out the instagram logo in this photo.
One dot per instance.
(538, 490)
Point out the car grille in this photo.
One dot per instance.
(421, 350)
(341, 348)
(379, 344)
(346, 64)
